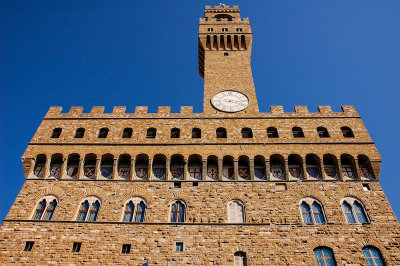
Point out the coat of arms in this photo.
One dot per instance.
(277, 173)
(212, 172)
(365, 173)
(331, 172)
(295, 172)
(89, 171)
(141, 172)
(72, 171)
(313, 172)
(39, 170)
(124, 172)
(106, 171)
(55, 171)
(244, 172)
(259, 172)
(227, 172)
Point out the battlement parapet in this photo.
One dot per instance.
(187, 111)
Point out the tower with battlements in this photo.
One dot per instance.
(229, 186)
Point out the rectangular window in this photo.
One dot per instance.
(239, 29)
(366, 187)
(76, 247)
(210, 29)
(126, 248)
(195, 184)
(226, 54)
(177, 184)
(29, 245)
(224, 29)
(179, 246)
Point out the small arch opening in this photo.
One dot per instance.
(313, 165)
(56, 133)
(103, 133)
(221, 133)
(40, 165)
(159, 166)
(73, 165)
(297, 132)
(247, 133)
(142, 166)
(366, 170)
(272, 132)
(124, 166)
(277, 163)
(151, 133)
(80, 132)
(175, 133)
(259, 167)
(295, 163)
(89, 167)
(107, 164)
(227, 167)
(331, 166)
(196, 133)
(195, 166)
(244, 167)
(177, 166)
(323, 132)
(127, 133)
(212, 167)
(347, 132)
(56, 165)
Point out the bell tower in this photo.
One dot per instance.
(224, 62)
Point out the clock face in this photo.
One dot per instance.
(230, 101)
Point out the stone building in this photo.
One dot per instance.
(229, 186)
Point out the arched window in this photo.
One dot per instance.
(323, 132)
(227, 167)
(89, 167)
(151, 133)
(56, 165)
(103, 133)
(366, 170)
(89, 209)
(196, 133)
(236, 212)
(313, 166)
(348, 166)
(47, 206)
(277, 165)
(124, 166)
(247, 133)
(244, 167)
(297, 132)
(178, 212)
(324, 256)
(135, 211)
(295, 163)
(331, 166)
(311, 211)
(142, 166)
(175, 133)
(56, 133)
(373, 256)
(177, 166)
(195, 166)
(240, 258)
(39, 165)
(107, 165)
(272, 132)
(221, 133)
(354, 211)
(212, 167)
(73, 165)
(127, 133)
(347, 132)
(80, 132)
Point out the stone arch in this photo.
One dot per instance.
(234, 195)
(92, 191)
(51, 190)
(178, 195)
(136, 192)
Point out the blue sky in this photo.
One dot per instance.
(144, 53)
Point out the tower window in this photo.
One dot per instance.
(210, 29)
(247, 133)
(28, 245)
(347, 132)
(323, 132)
(127, 134)
(224, 29)
(103, 133)
(239, 29)
(175, 133)
(240, 258)
(324, 256)
(177, 184)
(221, 133)
(126, 248)
(196, 133)
(272, 132)
(151, 133)
(178, 212)
(56, 133)
(372, 256)
(80, 132)
(179, 246)
(297, 132)
(226, 54)
(76, 247)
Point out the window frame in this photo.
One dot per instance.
(79, 133)
(371, 256)
(48, 200)
(351, 201)
(136, 202)
(324, 258)
(242, 205)
(310, 201)
(178, 211)
(91, 201)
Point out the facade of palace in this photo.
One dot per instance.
(229, 186)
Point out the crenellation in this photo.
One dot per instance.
(234, 185)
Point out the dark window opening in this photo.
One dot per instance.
(323, 132)
(226, 54)
(224, 29)
(366, 187)
(272, 132)
(56, 133)
(239, 29)
(80, 132)
(196, 133)
(179, 246)
(151, 133)
(297, 132)
(76, 247)
(221, 133)
(103, 133)
(177, 184)
(175, 133)
(247, 133)
(127, 134)
(195, 184)
(126, 248)
(29, 245)
(347, 132)
(210, 29)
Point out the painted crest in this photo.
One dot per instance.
(278, 173)
(227, 172)
(259, 172)
(212, 172)
(39, 170)
(295, 172)
(365, 173)
(141, 172)
(106, 171)
(72, 171)
(195, 172)
(313, 172)
(124, 172)
(89, 171)
(348, 172)
(244, 172)
(55, 171)
(331, 172)
(177, 172)
(159, 172)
